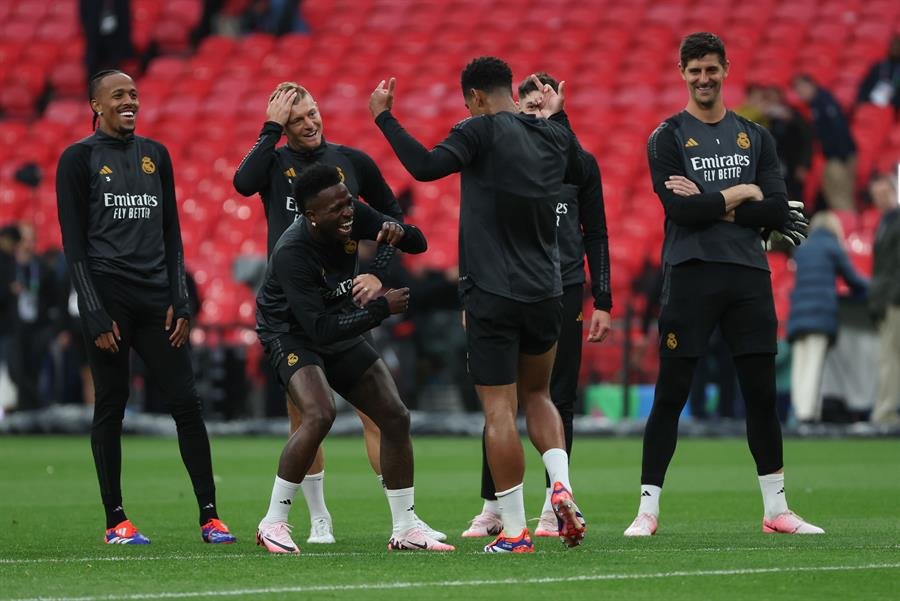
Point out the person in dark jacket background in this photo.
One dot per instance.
(813, 321)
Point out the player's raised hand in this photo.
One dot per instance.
(398, 300)
(279, 109)
(382, 99)
(391, 233)
(681, 185)
(553, 101)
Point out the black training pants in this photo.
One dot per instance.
(140, 313)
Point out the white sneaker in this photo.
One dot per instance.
(428, 530)
(485, 523)
(644, 524)
(547, 524)
(789, 523)
(276, 537)
(416, 540)
(321, 532)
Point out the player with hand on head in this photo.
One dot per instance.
(116, 199)
(581, 232)
(312, 329)
(513, 166)
(718, 178)
(271, 171)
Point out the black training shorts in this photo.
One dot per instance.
(343, 369)
(698, 295)
(498, 329)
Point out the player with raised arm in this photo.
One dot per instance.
(513, 166)
(271, 172)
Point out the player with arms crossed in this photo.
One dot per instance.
(271, 172)
(718, 178)
(513, 166)
(312, 329)
(581, 231)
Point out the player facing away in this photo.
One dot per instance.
(115, 194)
(270, 171)
(312, 329)
(581, 232)
(718, 178)
(513, 166)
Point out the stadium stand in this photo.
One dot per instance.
(207, 104)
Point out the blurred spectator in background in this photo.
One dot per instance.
(813, 321)
(75, 367)
(9, 240)
(881, 86)
(107, 33)
(35, 320)
(793, 140)
(884, 297)
(754, 105)
(833, 132)
(277, 17)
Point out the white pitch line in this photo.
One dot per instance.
(463, 583)
(304, 555)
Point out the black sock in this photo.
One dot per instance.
(208, 511)
(114, 515)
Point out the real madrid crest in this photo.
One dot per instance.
(743, 141)
(340, 174)
(671, 341)
(350, 246)
(148, 166)
(292, 360)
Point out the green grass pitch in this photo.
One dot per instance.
(709, 545)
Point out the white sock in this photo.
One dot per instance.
(547, 506)
(403, 508)
(491, 506)
(313, 486)
(280, 504)
(774, 498)
(380, 480)
(650, 499)
(512, 510)
(557, 463)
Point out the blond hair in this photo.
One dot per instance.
(292, 86)
(827, 220)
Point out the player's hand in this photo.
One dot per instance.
(796, 228)
(682, 186)
(279, 109)
(599, 330)
(398, 300)
(182, 328)
(382, 99)
(553, 101)
(391, 233)
(365, 287)
(754, 192)
(729, 216)
(107, 340)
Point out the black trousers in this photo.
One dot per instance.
(140, 313)
(563, 380)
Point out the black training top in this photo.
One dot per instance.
(117, 212)
(581, 230)
(271, 172)
(513, 167)
(716, 156)
(307, 291)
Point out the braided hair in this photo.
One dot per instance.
(93, 85)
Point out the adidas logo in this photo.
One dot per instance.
(411, 508)
(290, 172)
(285, 502)
(780, 492)
(691, 143)
(105, 170)
(646, 493)
(210, 506)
